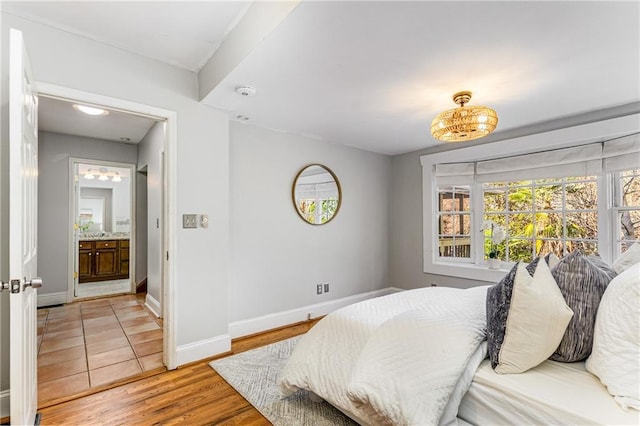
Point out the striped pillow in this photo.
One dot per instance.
(582, 281)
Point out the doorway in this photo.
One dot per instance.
(99, 220)
(104, 238)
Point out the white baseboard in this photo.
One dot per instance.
(203, 349)
(49, 299)
(152, 304)
(280, 319)
(4, 403)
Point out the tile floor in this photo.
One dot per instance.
(88, 344)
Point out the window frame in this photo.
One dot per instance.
(555, 139)
(477, 192)
(617, 206)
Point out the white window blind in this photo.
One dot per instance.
(455, 173)
(585, 160)
(582, 160)
(622, 153)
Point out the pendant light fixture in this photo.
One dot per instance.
(464, 123)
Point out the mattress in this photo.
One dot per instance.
(551, 393)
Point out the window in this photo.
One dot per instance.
(627, 208)
(312, 214)
(542, 216)
(454, 222)
(579, 198)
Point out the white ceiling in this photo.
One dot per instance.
(59, 116)
(181, 33)
(374, 74)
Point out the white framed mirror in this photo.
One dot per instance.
(316, 194)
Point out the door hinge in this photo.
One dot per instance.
(75, 275)
(167, 255)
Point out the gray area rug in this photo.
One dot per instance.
(254, 375)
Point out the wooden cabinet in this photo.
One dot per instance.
(85, 260)
(105, 260)
(123, 258)
(102, 260)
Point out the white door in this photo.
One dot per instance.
(23, 223)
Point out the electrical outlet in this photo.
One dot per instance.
(326, 287)
(189, 220)
(319, 289)
(204, 220)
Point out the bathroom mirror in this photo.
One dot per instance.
(316, 194)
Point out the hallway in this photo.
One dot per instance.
(92, 343)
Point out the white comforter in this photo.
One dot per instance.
(399, 359)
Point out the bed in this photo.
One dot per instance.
(551, 393)
(418, 357)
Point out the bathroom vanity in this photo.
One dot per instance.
(103, 257)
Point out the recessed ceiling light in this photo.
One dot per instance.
(90, 110)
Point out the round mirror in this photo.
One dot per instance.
(316, 194)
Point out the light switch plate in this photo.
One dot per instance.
(189, 220)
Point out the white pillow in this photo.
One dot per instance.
(615, 357)
(538, 317)
(627, 259)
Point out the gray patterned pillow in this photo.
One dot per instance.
(551, 259)
(498, 304)
(582, 281)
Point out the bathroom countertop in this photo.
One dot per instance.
(104, 236)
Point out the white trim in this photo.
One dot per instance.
(50, 299)
(152, 304)
(171, 234)
(292, 316)
(203, 349)
(556, 139)
(5, 395)
(72, 294)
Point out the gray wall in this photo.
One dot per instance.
(150, 155)
(276, 258)
(405, 241)
(54, 151)
(63, 59)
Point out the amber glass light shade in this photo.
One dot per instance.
(464, 123)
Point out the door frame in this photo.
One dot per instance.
(74, 203)
(170, 205)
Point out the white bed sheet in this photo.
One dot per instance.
(552, 393)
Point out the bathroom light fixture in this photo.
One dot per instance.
(103, 174)
(90, 110)
(464, 123)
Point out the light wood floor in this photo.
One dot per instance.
(193, 395)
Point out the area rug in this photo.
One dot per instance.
(254, 375)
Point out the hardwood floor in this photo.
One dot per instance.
(194, 394)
